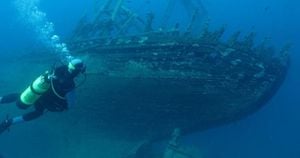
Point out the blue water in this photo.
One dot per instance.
(271, 132)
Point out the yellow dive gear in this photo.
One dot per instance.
(35, 90)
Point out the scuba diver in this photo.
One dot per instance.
(52, 91)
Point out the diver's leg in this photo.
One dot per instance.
(32, 115)
(39, 110)
(4, 125)
(9, 98)
(14, 97)
(19, 119)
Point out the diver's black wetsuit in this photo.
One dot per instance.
(57, 98)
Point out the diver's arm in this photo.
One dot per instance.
(71, 98)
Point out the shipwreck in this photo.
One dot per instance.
(147, 81)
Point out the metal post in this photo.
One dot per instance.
(168, 12)
(116, 10)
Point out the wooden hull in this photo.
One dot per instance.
(148, 90)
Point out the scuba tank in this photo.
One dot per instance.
(37, 88)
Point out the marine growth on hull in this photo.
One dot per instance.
(153, 80)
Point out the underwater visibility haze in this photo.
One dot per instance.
(169, 79)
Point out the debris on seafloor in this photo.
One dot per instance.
(176, 150)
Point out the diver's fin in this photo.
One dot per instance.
(4, 125)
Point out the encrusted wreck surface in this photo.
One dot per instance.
(156, 87)
(152, 82)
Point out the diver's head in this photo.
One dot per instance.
(76, 66)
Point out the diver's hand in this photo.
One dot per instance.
(47, 77)
(51, 76)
